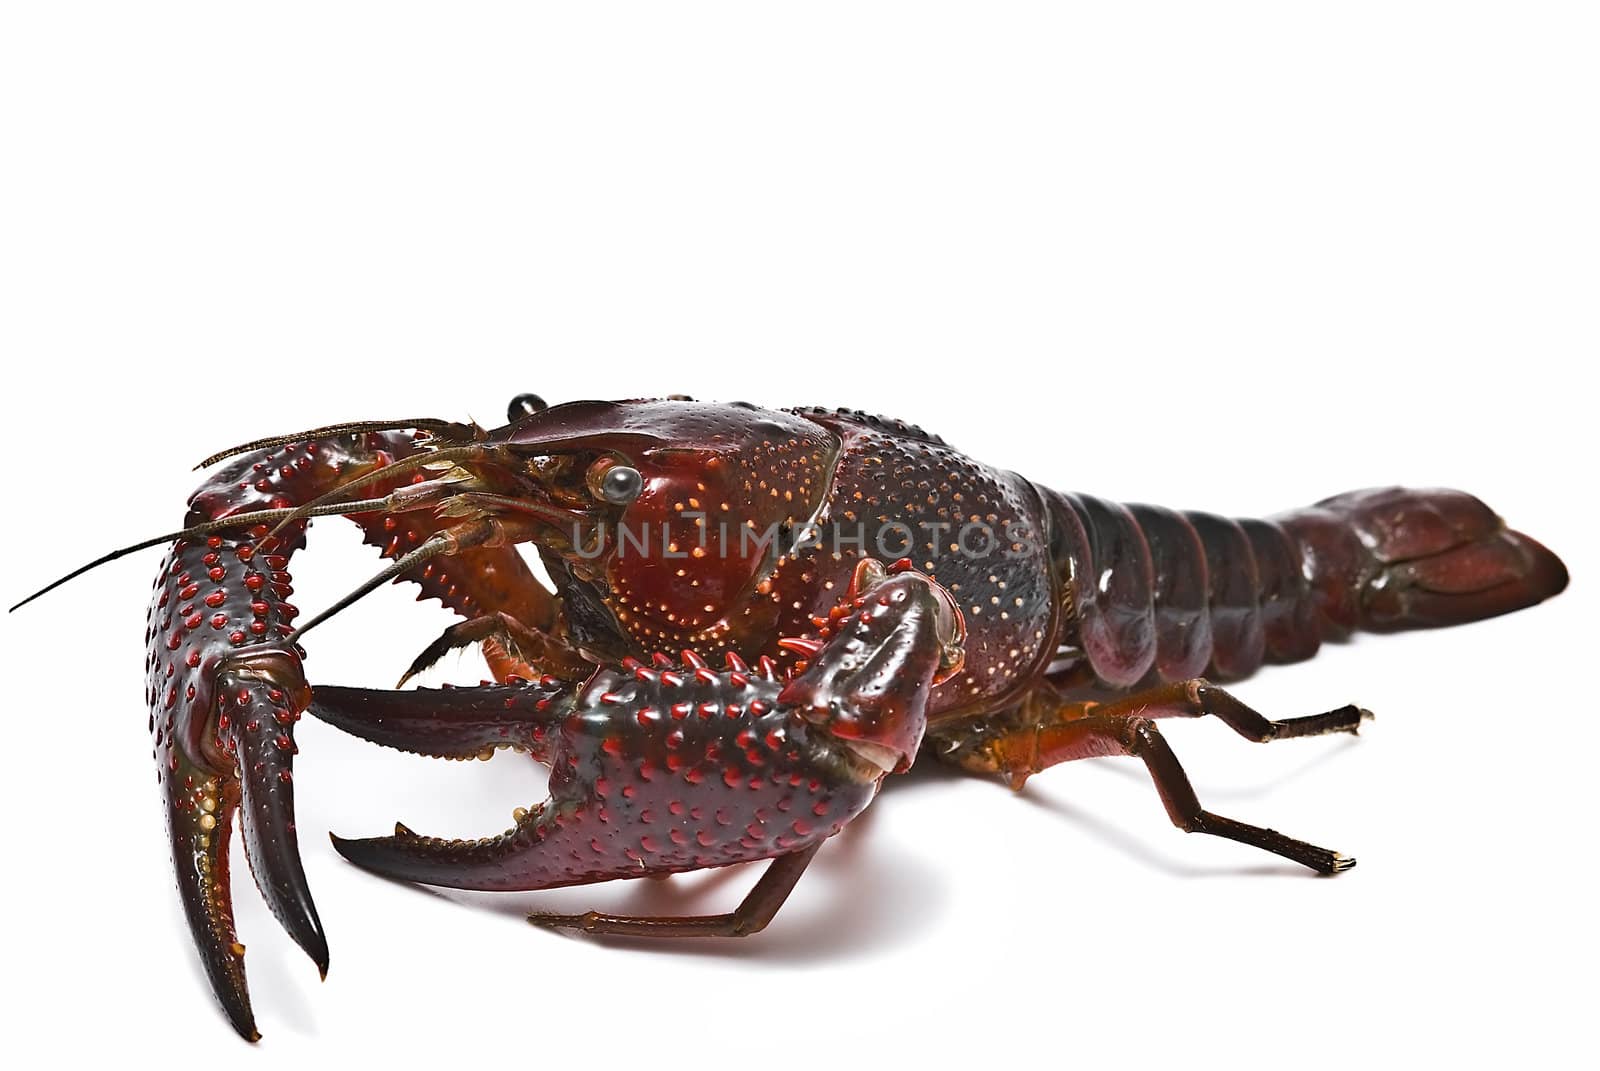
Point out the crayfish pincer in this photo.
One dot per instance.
(758, 616)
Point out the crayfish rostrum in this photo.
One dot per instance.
(758, 616)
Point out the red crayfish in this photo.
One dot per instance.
(758, 616)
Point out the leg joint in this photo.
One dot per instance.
(1139, 736)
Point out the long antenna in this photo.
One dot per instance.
(236, 521)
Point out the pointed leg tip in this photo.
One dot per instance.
(1357, 717)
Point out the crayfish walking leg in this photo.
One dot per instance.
(1048, 731)
(1199, 697)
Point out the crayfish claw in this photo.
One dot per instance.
(265, 752)
(248, 773)
(199, 818)
(456, 723)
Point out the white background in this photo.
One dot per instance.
(1235, 256)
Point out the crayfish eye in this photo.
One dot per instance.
(617, 484)
(524, 405)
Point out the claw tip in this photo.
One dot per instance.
(319, 956)
(244, 1024)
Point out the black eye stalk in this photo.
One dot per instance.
(621, 485)
(525, 405)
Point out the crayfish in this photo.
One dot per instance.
(758, 617)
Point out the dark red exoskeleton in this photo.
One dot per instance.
(759, 615)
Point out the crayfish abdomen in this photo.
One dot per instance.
(1170, 596)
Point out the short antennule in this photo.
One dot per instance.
(415, 461)
(447, 430)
